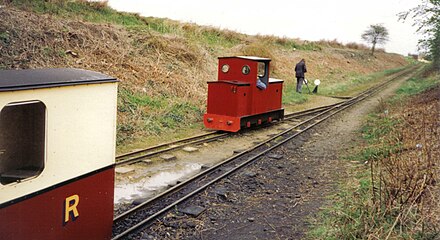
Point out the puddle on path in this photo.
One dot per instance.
(147, 182)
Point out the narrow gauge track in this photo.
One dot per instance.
(132, 157)
(135, 156)
(144, 214)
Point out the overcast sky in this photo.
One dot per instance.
(344, 20)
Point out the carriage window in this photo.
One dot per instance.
(261, 69)
(22, 141)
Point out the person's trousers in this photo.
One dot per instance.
(299, 83)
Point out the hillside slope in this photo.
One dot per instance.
(163, 65)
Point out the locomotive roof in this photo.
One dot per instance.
(253, 58)
(11, 80)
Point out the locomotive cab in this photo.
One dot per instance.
(57, 153)
(244, 94)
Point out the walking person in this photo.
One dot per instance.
(300, 69)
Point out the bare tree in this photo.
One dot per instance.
(375, 34)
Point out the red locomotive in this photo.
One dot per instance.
(244, 95)
(57, 151)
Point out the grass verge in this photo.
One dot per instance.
(392, 193)
(357, 83)
(155, 115)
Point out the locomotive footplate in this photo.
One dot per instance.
(267, 117)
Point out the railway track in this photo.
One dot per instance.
(126, 224)
(135, 156)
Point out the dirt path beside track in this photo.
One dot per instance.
(275, 197)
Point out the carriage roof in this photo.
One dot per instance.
(11, 80)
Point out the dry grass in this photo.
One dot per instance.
(405, 189)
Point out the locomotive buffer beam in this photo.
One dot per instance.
(267, 117)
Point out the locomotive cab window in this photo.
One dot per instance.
(261, 69)
(262, 79)
(22, 141)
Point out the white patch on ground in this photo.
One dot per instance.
(148, 186)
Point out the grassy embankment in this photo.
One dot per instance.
(392, 193)
(163, 65)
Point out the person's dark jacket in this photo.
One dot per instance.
(300, 69)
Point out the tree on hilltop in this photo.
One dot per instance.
(375, 34)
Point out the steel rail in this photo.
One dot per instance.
(146, 152)
(165, 144)
(290, 116)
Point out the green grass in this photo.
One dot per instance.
(343, 87)
(391, 71)
(310, 46)
(155, 115)
(214, 37)
(4, 37)
(357, 82)
(89, 11)
(414, 86)
(411, 60)
(377, 127)
(163, 26)
(290, 44)
(417, 85)
(346, 218)
(290, 96)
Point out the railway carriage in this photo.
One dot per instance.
(244, 95)
(57, 151)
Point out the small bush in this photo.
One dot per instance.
(330, 43)
(357, 46)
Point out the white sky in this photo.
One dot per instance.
(344, 20)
